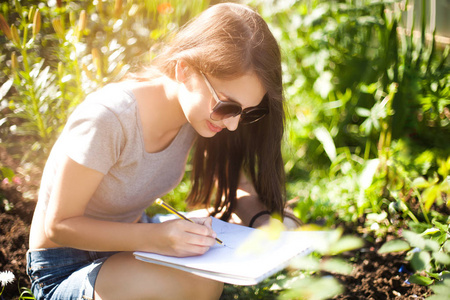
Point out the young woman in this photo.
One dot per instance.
(217, 88)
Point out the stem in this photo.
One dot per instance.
(26, 65)
(367, 150)
(34, 101)
(78, 77)
(421, 206)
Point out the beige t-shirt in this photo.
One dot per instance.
(104, 133)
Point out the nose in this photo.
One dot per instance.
(231, 123)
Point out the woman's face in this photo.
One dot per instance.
(197, 101)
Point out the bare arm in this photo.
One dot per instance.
(66, 225)
(248, 203)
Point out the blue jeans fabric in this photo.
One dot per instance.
(64, 273)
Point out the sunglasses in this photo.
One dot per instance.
(228, 109)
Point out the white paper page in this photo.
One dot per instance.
(260, 258)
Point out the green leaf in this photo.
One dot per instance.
(431, 245)
(366, 178)
(434, 275)
(441, 289)
(430, 231)
(369, 89)
(414, 239)
(362, 112)
(7, 173)
(430, 195)
(440, 226)
(438, 297)
(336, 265)
(420, 183)
(378, 218)
(346, 243)
(421, 261)
(394, 246)
(326, 139)
(447, 246)
(308, 263)
(313, 289)
(5, 88)
(442, 258)
(422, 280)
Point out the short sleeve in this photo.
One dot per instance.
(93, 137)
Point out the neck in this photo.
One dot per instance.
(160, 111)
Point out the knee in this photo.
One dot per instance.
(206, 289)
(216, 289)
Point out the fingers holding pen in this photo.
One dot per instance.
(184, 238)
(206, 222)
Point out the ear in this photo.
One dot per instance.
(181, 71)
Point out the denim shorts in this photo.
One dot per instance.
(64, 273)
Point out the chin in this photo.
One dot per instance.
(204, 131)
(207, 134)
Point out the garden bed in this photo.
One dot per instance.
(375, 276)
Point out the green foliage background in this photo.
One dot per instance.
(368, 103)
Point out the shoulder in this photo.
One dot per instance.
(115, 97)
(111, 106)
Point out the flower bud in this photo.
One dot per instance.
(36, 23)
(57, 26)
(82, 21)
(15, 34)
(165, 8)
(14, 62)
(31, 13)
(5, 27)
(88, 73)
(72, 18)
(96, 58)
(117, 8)
(99, 6)
(60, 70)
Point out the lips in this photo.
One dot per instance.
(213, 127)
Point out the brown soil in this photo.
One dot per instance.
(379, 276)
(14, 232)
(374, 277)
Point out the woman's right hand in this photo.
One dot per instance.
(183, 238)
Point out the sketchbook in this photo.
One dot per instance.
(248, 257)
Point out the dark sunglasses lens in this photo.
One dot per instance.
(253, 115)
(224, 110)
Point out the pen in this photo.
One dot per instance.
(175, 212)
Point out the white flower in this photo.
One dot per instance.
(6, 277)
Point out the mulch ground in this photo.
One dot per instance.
(14, 232)
(379, 276)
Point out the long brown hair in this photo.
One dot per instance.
(228, 40)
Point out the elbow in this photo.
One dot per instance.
(52, 231)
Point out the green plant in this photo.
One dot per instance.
(59, 52)
(26, 294)
(441, 290)
(355, 85)
(369, 113)
(8, 277)
(304, 278)
(428, 250)
(311, 285)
